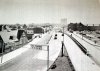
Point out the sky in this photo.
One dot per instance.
(49, 11)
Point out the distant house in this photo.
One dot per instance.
(4, 27)
(95, 28)
(6, 43)
(25, 27)
(30, 33)
(8, 38)
(22, 36)
(38, 30)
(47, 28)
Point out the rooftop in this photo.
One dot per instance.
(5, 35)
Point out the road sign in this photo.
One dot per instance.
(42, 47)
(38, 47)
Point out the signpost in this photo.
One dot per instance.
(40, 47)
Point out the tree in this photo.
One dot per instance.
(76, 26)
(80, 27)
(72, 26)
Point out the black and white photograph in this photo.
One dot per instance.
(49, 35)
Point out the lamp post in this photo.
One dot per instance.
(63, 34)
(62, 44)
(48, 57)
(62, 49)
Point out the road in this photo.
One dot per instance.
(36, 60)
(81, 61)
(32, 59)
(94, 51)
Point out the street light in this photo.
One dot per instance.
(62, 49)
(48, 58)
(63, 34)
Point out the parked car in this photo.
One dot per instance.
(55, 37)
(55, 34)
(71, 31)
(63, 34)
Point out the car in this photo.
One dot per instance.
(55, 34)
(55, 37)
(62, 34)
(71, 31)
(53, 66)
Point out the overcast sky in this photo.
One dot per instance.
(49, 11)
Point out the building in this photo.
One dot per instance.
(6, 43)
(34, 32)
(25, 27)
(22, 36)
(30, 33)
(38, 30)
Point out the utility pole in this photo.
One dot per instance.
(63, 34)
(62, 44)
(48, 57)
(62, 49)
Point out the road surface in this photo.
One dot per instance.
(94, 51)
(36, 60)
(80, 60)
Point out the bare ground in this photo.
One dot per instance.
(62, 63)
